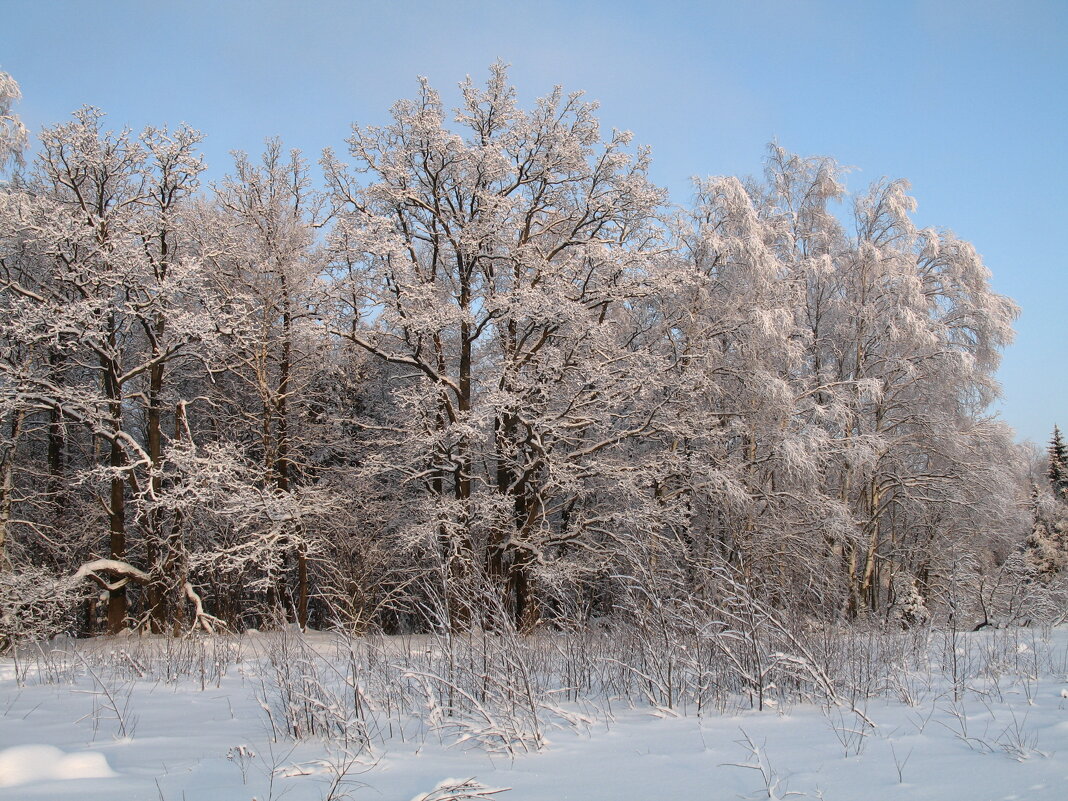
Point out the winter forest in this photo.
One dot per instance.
(483, 374)
(472, 375)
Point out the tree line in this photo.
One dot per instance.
(477, 371)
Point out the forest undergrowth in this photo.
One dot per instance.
(333, 715)
(502, 691)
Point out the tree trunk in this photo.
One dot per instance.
(7, 486)
(117, 598)
(160, 560)
(302, 587)
(117, 601)
(869, 590)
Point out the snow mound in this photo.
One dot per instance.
(33, 763)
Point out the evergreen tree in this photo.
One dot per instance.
(1058, 465)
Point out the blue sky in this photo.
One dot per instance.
(967, 99)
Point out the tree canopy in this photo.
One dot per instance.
(484, 374)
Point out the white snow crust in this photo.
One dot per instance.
(999, 735)
(22, 764)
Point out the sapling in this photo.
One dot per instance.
(774, 787)
(1017, 741)
(242, 756)
(107, 698)
(900, 763)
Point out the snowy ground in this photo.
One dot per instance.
(128, 719)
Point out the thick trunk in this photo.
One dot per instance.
(57, 485)
(853, 604)
(503, 426)
(527, 609)
(175, 567)
(302, 587)
(7, 486)
(117, 598)
(160, 559)
(117, 601)
(453, 535)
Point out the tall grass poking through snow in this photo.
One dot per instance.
(502, 691)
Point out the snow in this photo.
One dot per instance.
(197, 728)
(32, 763)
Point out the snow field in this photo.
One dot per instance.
(266, 716)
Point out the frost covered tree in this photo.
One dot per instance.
(101, 303)
(850, 366)
(927, 330)
(266, 278)
(485, 376)
(12, 142)
(1046, 547)
(13, 133)
(502, 266)
(731, 443)
(283, 391)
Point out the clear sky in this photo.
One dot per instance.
(967, 99)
